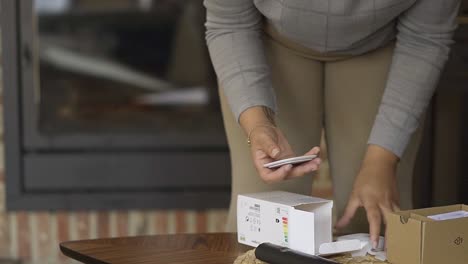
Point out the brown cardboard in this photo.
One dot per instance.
(412, 238)
(400, 227)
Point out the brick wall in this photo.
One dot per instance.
(33, 237)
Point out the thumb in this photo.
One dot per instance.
(269, 146)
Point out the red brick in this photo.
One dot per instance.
(82, 225)
(4, 235)
(44, 244)
(122, 223)
(63, 231)
(161, 222)
(221, 221)
(63, 227)
(181, 222)
(103, 226)
(202, 221)
(24, 236)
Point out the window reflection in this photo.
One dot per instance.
(123, 66)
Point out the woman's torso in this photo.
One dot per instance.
(337, 26)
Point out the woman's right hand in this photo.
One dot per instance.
(269, 144)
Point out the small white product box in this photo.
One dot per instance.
(286, 219)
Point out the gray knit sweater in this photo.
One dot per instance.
(423, 29)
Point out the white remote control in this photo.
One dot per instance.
(292, 161)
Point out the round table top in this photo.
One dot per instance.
(180, 248)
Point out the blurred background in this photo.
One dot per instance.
(112, 126)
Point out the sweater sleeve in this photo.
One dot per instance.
(234, 38)
(424, 37)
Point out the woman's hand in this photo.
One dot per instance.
(375, 189)
(269, 144)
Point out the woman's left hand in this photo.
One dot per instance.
(375, 189)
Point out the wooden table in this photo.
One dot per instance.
(216, 248)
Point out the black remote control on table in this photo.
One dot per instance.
(274, 254)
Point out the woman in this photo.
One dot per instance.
(366, 70)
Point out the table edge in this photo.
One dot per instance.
(90, 260)
(63, 243)
(79, 257)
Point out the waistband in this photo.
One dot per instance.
(299, 49)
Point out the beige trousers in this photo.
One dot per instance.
(340, 94)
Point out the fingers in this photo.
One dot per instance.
(303, 169)
(283, 173)
(313, 165)
(267, 149)
(386, 208)
(279, 174)
(268, 175)
(349, 213)
(374, 217)
(374, 214)
(268, 144)
(313, 151)
(264, 151)
(317, 161)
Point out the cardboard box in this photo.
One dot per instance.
(291, 220)
(413, 238)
